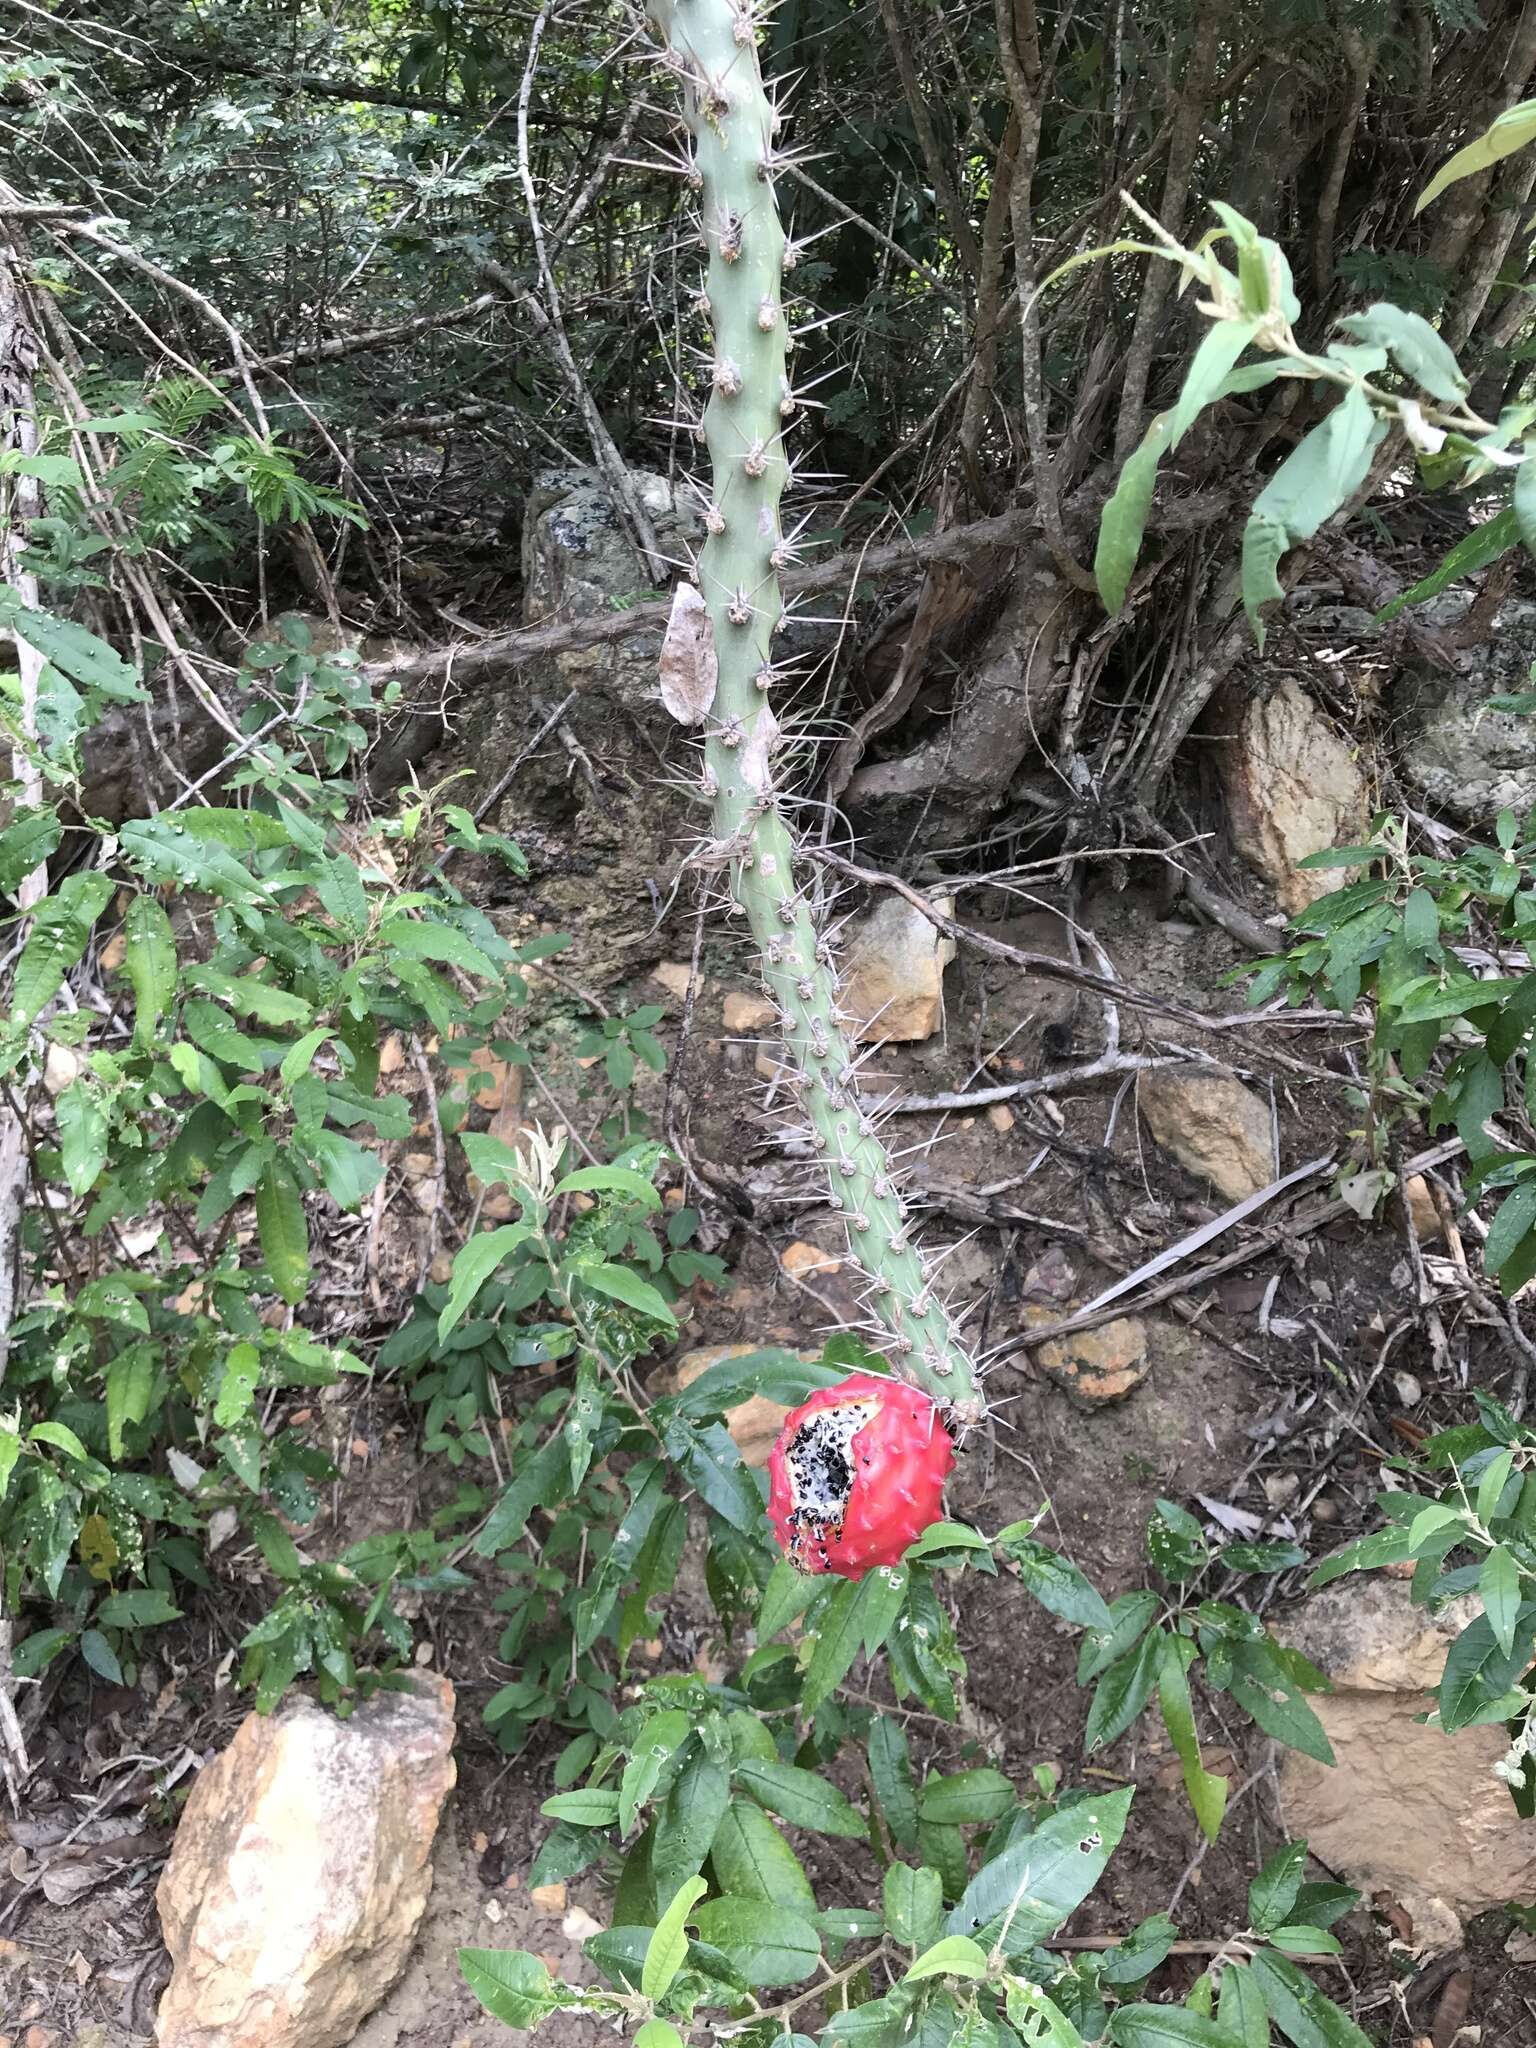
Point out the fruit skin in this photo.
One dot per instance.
(899, 1456)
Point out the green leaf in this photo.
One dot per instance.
(100, 1656)
(1525, 498)
(1306, 2017)
(473, 1265)
(1124, 519)
(965, 1797)
(1512, 130)
(1499, 1586)
(25, 843)
(1165, 2026)
(1207, 1791)
(237, 1388)
(140, 1607)
(1495, 537)
(1264, 1685)
(657, 1743)
(1241, 2008)
(914, 1904)
(1418, 351)
(442, 942)
(72, 650)
(801, 1798)
(83, 1130)
(781, 1376)
(686, 1825)
(955, 1955)
(1130, 1613)
(1272, 1895)
(1491, 1485)
(1142, 1950)
(149, 963)
(1306, 1941)
(283, 1231)
(767, 1944)
(1368, 1553)
(10, 1451)
(890, 1772)
(622, 1180)
(1056, 1583)
(1210, 366)
(61, 931)
(941, 1536)
(1478, 1671)
(786, 1596)
(593, 1806)
(667, 1950)
(1038, 2019)
(1122, 1692)
(659, 2033)
(514, 1987)
(1176, 1543)
(1038, 1883)
(619, 1283)
(838, 1641)
(752, 1860)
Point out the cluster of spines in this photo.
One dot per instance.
(710, 46)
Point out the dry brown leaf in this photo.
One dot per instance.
(690, 670)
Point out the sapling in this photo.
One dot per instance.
(710, 47)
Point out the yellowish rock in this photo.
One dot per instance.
(1293, 787)
(893, 973)
(674, 976)
(806, 1260)
(747, 1015)
(1213, 1126)
(549, 1898)
(1099, 1365)
(300, 1870)
(1000, 1117)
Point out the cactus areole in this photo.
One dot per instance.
(710, 48)
(856, 1475)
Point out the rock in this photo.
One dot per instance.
(893, 973)
(1454, 1846)
(806, 1260)
(1423, 1213)
(1468, 760)
(1213, 1126)
(1000, 1117)
(1292, 788)
(1098, 1365)
(300, 1870)
(674, 976)
(749, 1016)
(549, 1898)
(755, 1424)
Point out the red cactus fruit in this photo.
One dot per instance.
(856, 1475)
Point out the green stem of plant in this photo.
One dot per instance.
(711, 48)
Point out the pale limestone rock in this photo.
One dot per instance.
(755, 1423)
(300, 1870)
(893, 973)
(1213, 1126)
(1405, 1810)
(1293, 788)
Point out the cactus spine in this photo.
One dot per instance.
(711, 48)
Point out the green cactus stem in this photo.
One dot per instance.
(710, 46)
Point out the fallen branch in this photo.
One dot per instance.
(1105, 1309)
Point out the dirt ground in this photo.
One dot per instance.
(1231, 1409)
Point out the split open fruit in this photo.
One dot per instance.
(857, 1474)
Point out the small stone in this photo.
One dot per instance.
(578, 1925)
(442, 1266)
(1280, 1487)
(746, 1015)
(1000, 1117)
(803, 1260)
(1052, 1277)
(418, 1165)
(1408, 1390)
(39, 2037)
(114, 952)
(1521, 1947)
(1293, 787)
(1213, 1126)
(392, 1054)
(893, 973)
(300, 1870)
(1422, 1211)
(1325, 1510)
(549, 1898)
(1098, 1365)
(61, 1066)
(674, 976)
